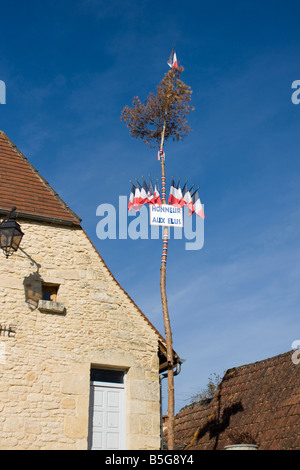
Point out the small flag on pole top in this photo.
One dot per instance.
(172, 60)
(160, 154)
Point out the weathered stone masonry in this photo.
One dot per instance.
(45, 357)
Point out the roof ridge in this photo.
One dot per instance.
(269, 359)
(41, 178)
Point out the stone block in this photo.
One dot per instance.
(49, 306)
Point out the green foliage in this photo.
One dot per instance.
(209, 391)
(163, 113)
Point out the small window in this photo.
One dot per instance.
(107, 375)
(49, 292)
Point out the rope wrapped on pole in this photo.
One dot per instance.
(165, 249)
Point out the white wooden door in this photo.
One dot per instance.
(107, 416)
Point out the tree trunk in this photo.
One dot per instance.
(168, 332)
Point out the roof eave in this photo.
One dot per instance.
(41, 218)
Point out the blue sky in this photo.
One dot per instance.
(70, 67)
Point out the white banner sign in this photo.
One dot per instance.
(168, 216)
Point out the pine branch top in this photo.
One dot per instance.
(167, 109)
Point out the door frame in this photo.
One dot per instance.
(110, 385)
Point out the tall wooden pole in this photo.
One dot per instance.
(168, 332)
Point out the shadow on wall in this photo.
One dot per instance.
(33, 285)
(33, 289)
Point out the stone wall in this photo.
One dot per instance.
(45, 357)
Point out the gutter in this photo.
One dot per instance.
(42, 218)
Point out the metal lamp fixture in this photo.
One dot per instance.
(10, 234)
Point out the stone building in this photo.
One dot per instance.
(79, 362)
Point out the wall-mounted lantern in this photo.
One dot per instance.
(10, 234)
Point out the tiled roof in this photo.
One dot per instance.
(23, 187)
(260, 399)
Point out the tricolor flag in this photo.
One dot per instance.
(179, 195)
(197, 205)
(175, 197)
(172, 60)
(151, 194)
(144, 193)
(157, 198)
(187, 198)
(137, 198)
(172, 196)
(131, 197)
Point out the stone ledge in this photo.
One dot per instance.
(49, 306)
